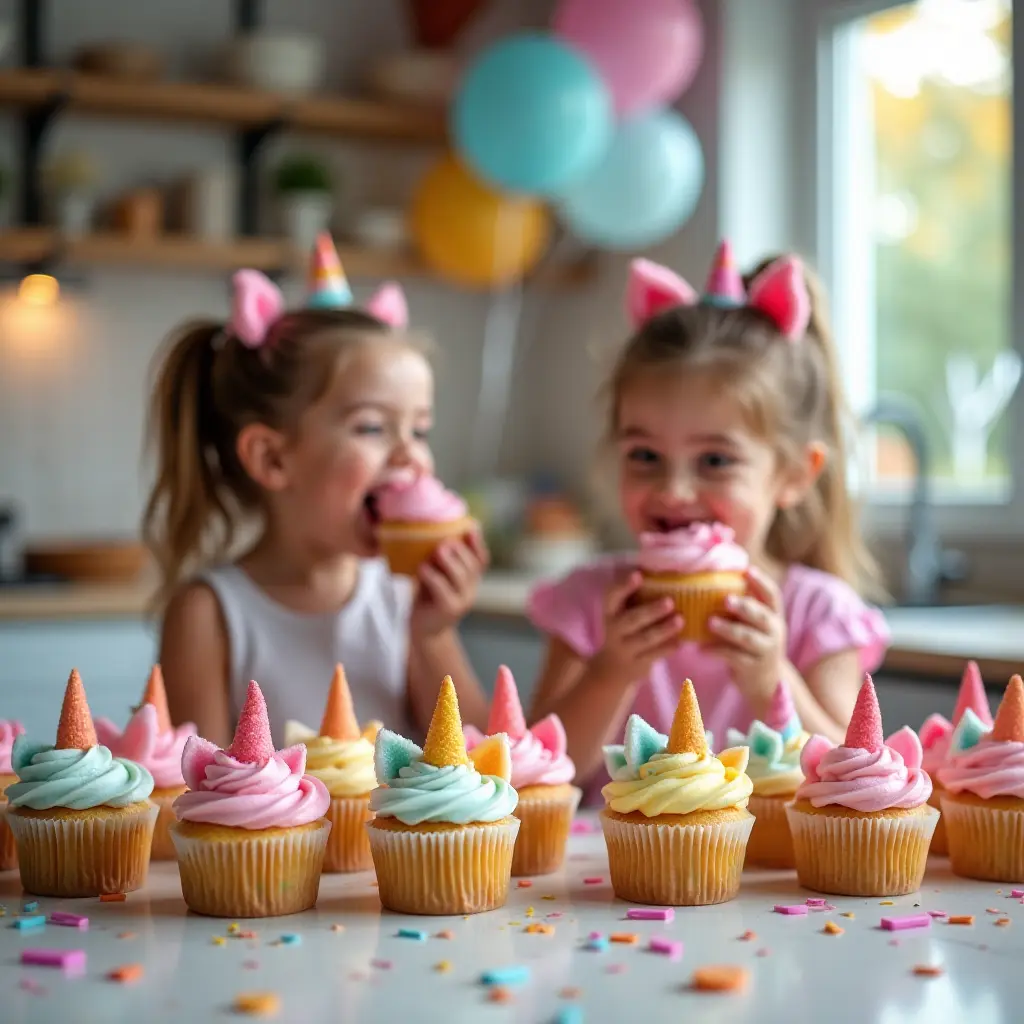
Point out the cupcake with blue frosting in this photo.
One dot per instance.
(443, 831)
(82, 818)
(774, 768)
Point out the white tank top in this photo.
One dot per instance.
(292, 654)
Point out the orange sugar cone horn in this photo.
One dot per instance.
(76, 730)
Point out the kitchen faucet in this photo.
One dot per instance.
(929, 565)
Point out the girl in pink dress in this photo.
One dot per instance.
(726, 417)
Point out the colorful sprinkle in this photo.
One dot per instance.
(582, 826)
(219, 940)
(443, 966)
(24, 924)
(31, 907)
(898, 924)
(569, 992)
(748, 936)
(569, 1015)
(886, 903)
(831, 928)
(650, 914)
(626, 938)
(847, 913)
(962, 919)
(815, 901)
(937, 913)
(763, 951)
(992, 910)
(257, 1004)
(529, 911)
(524, 883)
(500, 994)
(412, 933)
(1017, 893)
(928, 971)
(615, 969)
(669, 947)
(720, 979)
(1003, 922)
(234, 928)
(127, 935)
(69, 920)
(126, 973)
(290, 939)
(594, 880)
(113, 897)
(515, 975)
(337, 927)
(597, 942)
(446, 934)
(539, 929)
(549, 897)
(793, 909)
(382, 965)
(65, 959)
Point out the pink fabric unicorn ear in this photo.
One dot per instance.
(295, 758)
(197, 756)
(810, 757)
(256, 303)
(780, 292)
(388, 305)
(906, 743)
(652, 288)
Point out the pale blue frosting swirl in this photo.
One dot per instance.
(76, 780)
(458, 795)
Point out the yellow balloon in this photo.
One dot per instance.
(472, 235)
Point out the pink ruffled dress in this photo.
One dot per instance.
(8, 848)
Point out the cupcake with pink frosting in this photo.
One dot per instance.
(983, 792)
(8, 848)
(936, 734)
(251, 832)
(698, 567)
(860, 821)
(151, 740)
(414, 516)
(542, 775)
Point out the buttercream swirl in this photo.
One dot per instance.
(538, 755)
(9, 731)
(421, 500)
(698, 548)
(774, 764)
(681, 784)
(143, 742)
(345, 767)
(989, 769)
(76, 780)
(865, 780)
(457, 795)
(240, 794)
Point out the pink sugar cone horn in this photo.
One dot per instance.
(972, 695)
(506, 709)
(252, 743)
(724, 280)
(782, 709)
(865, 729)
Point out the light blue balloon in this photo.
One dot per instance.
(532, 115)
(646, 187)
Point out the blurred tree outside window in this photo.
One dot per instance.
(933, 79)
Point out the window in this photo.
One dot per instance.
(918, 203)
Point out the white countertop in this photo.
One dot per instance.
(367, 973)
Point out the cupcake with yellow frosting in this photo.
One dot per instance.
(82, 818)
(676, 821)
(774, 768)
(341, 757)
(444, 829)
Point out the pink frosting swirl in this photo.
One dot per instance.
(865, 780)
(8, 731)
(143, 742)
(700, 547)
(225, 791)
(990, 768)
(538, 755)
(421, 500)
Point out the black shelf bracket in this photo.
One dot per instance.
(34, 126)
(248, 147)
(247, 15)
(31, 15)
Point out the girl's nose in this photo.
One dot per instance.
(679, 486)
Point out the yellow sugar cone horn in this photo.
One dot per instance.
(687, 736)
(445, 746)
(339, 721)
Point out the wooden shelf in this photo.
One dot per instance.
(195, 102)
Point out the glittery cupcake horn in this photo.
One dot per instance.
(1009, 723)
(156, 694)
(445, 746)
(782, 711)
(972, 695)
(506, 709)
(252, 743)
(75, 730)
(339, 721)
(328, 286)
(865, 729)
(687, 735)
(725, 285)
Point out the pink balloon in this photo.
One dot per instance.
(647, 50)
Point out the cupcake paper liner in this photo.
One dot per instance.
(676, 865)
(460, 870)
(986, 843)
(250, 873)
(940, 844)
(696, 600)
(861, 856)
(406, 546)
(83, 853)
(348, 847)
(163, 846)
(770, 845)
(8, 847)
(540, 846)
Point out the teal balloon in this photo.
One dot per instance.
(646, 187)
(532, 115)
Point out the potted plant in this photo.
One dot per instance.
(71, 182)
(304, 186)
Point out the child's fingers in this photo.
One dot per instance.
(458, 562)
(751, 611)
(764, 588)
(438, 586)
(746, 638)
(635, 620)
(661, 633)
(619, 593)
(476, 543)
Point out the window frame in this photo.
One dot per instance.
(819, 87)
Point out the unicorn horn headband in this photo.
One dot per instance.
(779, 291)
(257, 303)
